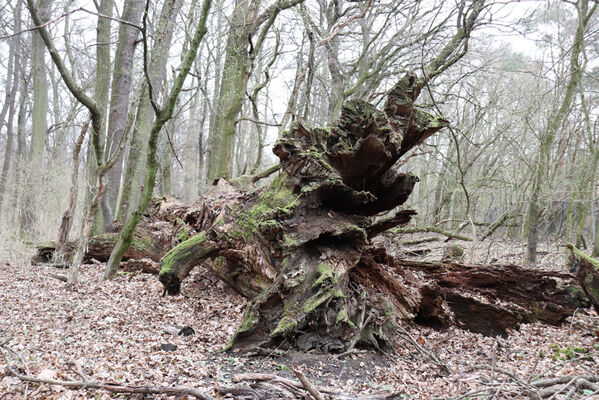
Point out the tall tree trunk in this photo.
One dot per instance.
(20, 159)
(119, 105)
(39, 124)
(101, 87)
(233, 84)
(162, 117)
(12, 76)
(132, 188)
(240, 53)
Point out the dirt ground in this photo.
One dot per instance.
(114, 331)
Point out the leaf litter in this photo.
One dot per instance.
(116, 331)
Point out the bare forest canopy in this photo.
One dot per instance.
(515, 81)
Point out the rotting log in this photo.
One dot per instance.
(587, 273)
(299, 248)
(166, 223)
(492, 299)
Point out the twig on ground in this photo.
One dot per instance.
(307, 384)
(59, 277)
(406, 335)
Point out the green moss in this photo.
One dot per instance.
(289, 242)
(218, 261)
(286, 324)
(319, 298)
(276, 200)
(141, 244)
(579, 254)
(270, 225)
(184, 234)
(326, 273)
(295, 280)
(249, 323)
(343, 317)
(567, 353)
(169, 258)
(389, 311)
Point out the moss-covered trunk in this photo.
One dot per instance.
(587, 272)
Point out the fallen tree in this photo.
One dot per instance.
(301, 248)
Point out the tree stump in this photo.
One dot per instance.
(300, 249)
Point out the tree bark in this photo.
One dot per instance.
(119, 105)
(587, 272)
(132, 179)
(39, 124)
(166, 112)
(240, 53)
(12, 86)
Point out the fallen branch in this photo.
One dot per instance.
(266, 173)
(269, 382)
(419, 241)
(499, 222)
(430, 229)
(59, 277)
(112, 387)
(307, 384)
(546, 388)
(432, 357)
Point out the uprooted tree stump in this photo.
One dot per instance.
(301, 248)
(301, 251)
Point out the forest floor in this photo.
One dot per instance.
(114, 331)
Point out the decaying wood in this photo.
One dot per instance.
(300, 247)
(166, 224)
(492, 299)
(587, 272)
